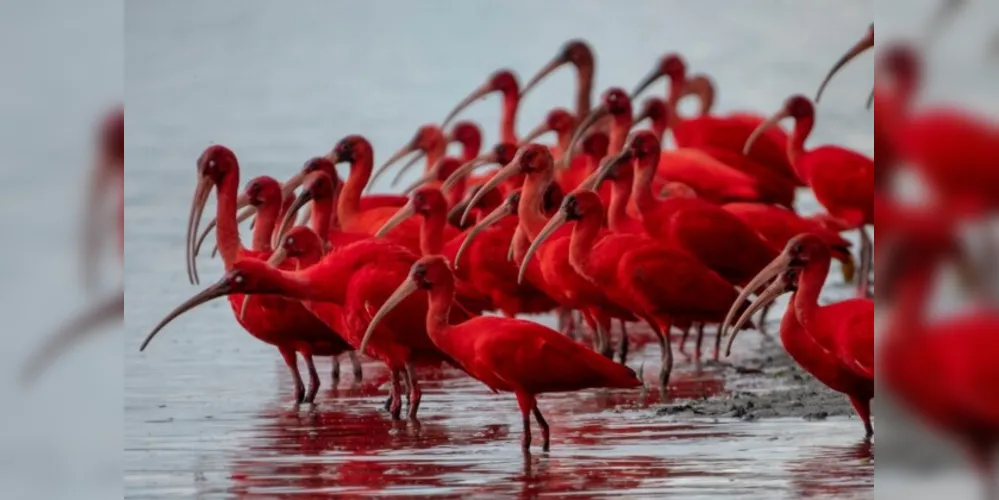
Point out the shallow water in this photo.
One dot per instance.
(207, 409)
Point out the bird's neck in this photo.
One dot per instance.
(619, 132)
(227, 230)
(617, 209)
(470, 150)
(531, 207)
(796, 143)
(435, 153)
(584, 90)
(642, 196)
(432, 232)
(322, 215)
(508, 122)
(584, 236)
(659, 125)
(806, 299)
(674, 92)
(564, 139)
(350, 197)
(913, 292)
(439, 310)
(263, 229)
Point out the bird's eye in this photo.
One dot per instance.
(238, 279)
(289, 241)
(211, 163)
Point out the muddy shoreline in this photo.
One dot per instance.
(762, 382)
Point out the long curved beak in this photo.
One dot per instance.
(277, 256)
(642, 115)
(769, 295)
(405, 168)
(859, 48)
(552, 65)
(759, 130)
(538, 131)
(242, 307)
(510, 170)
(870, 99)
(482, 91)
(220, 289)
(406, 289)
(428, 177)
(289, 216)
(466, 169)
(649, 79)
(495, 216)
(518, 234)
(607, 165)
(594, 116)
(400, 154)
(240, 218)
(110, 310)
(405, 212)
(553, 224)
(767, 273)
(201, 193)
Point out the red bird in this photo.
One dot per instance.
(580, 56)
(557, 276)
(835, 343)
(504, 82)
(713, 133)
(282, 323)
(656, 283)
(343, 289)
(560, 121)
(842, 179)
(429, 141)
(943, 370)
(356, 150)
(505, 354)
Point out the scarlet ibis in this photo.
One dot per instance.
(505, 354)
(577, 53)
(711, 178)
(657, 283)
(835, 343)
(430, 205)
(577, 292)
(357, 151)
(504, 82)
(429, 140)
(943, 370)
(468, 134)
(717, 238)
(341, 290)
(282, 323)
(714, 133)
(107, 172)
(842, 179)
(560, 121)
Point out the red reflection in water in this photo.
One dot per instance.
(834, 471)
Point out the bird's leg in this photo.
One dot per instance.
(863, 407)
(335, 371)
(395, 407)
(526, 403)
(415, 393)
(567, 323)
(544, 428)
(700, 340)
(356, 363)
(291, 360)
(683, 340)
(663, 332)
(313, 377)
(606, 345)
(592, 324)
(623, 346)
(866, 256)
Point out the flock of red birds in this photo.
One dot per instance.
(605, 223)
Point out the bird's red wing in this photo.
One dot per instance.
(532, 357)
(673, 283)
(841, 180)
(851, 324)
